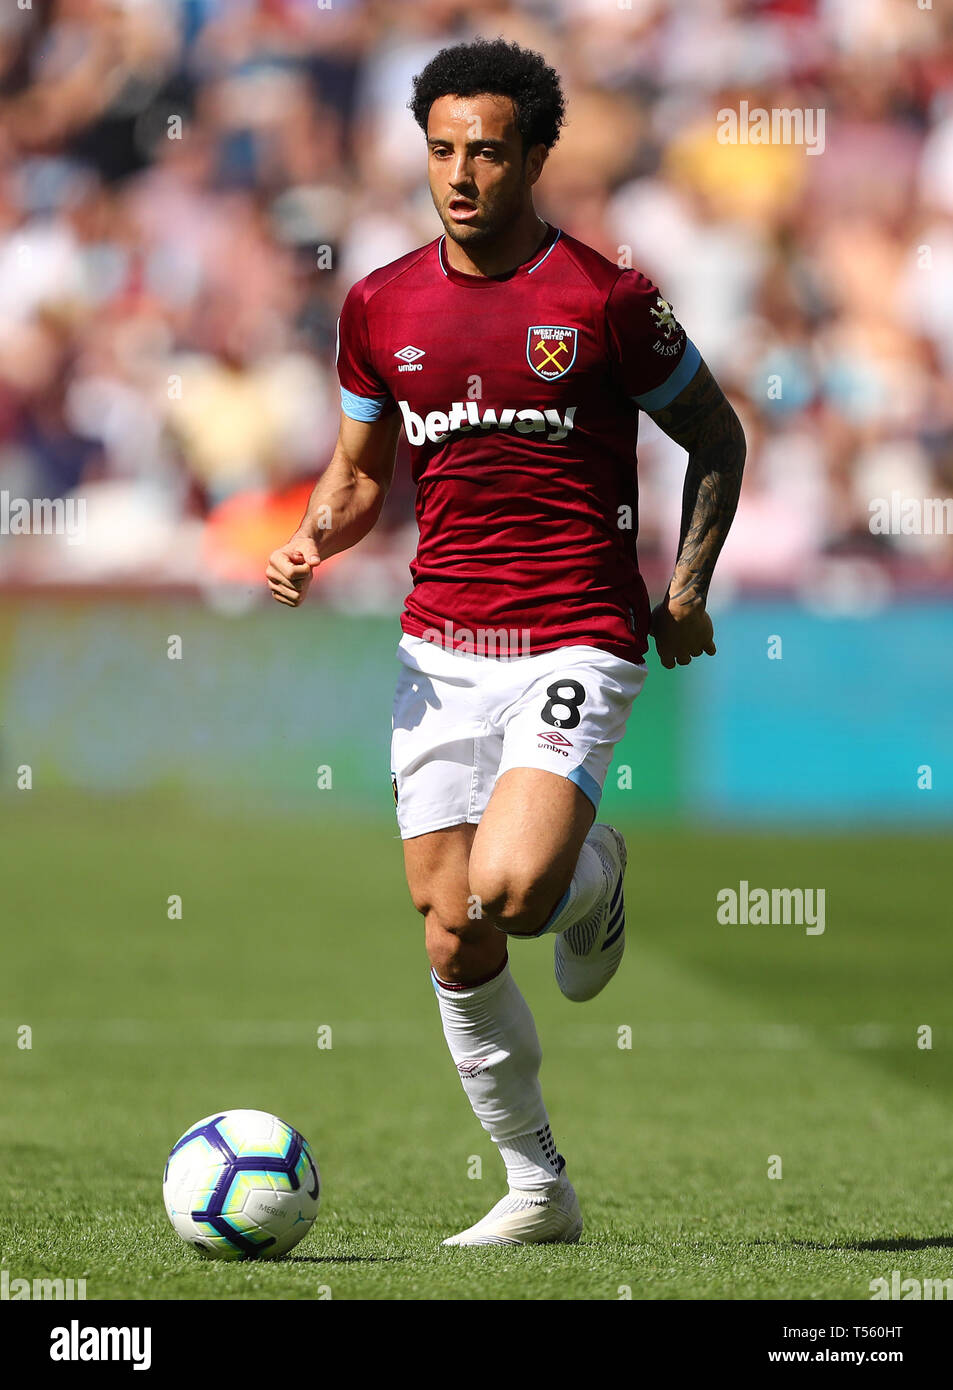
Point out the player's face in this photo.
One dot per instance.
(479, 181)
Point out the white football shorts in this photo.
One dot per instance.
(461, 720)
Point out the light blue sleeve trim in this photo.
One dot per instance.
(365, 408)
(588, 784)
(669, 389)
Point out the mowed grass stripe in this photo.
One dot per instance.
(289, 927)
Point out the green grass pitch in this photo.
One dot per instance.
(746, 1042)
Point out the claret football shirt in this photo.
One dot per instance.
(519, 396)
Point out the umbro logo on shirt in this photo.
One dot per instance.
(408, 356)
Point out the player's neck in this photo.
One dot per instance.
(522, 239)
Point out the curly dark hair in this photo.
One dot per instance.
(501, 69)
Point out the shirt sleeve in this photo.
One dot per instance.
(653, 358)
(363, 394)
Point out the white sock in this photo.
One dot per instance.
(589, 883)
(531, 1160)
(494, 1045)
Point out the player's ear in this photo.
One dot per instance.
(534, 161)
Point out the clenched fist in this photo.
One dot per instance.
(681, 633)
(290, 569)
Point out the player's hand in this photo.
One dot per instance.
(290, 569)
(681, 632)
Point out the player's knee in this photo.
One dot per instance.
(508, 900)
(462, 950)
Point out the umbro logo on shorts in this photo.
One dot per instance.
(555, 743)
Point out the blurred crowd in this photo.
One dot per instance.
(188, 188)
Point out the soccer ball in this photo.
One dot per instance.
(241, 1185)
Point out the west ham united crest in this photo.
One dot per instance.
(551, 351)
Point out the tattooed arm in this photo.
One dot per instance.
(702, 421)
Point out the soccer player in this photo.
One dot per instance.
(517, 359)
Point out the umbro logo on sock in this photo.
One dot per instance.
(473, 1067)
